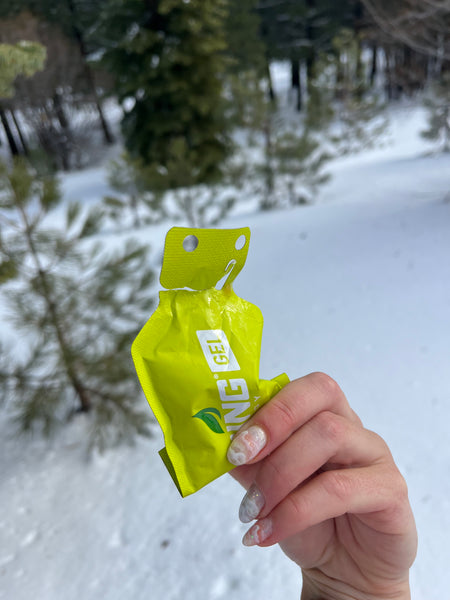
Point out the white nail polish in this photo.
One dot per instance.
(246, 445)
(258, 533)
(251, 505)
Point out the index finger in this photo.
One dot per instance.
(297, 403)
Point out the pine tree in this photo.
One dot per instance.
(301, 31)
(438, 106)
(244, 47)
(78, 308)
(293, 169)
(246, 67)
(341, 103)
(23, 58)
(168, 59)
(137, 202)
(76, 20)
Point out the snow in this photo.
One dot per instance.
(358, 286)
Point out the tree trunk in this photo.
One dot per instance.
(340, 88)
(311, 54)
(79, 389)
(20, 134)
(374, 65)
(272, 95)
(310, 68)
(360, 79)
(9, 134)
(107, 134)
(295, 81)
(60, 113)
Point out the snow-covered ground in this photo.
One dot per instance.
(357, 285)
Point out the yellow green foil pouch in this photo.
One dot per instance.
(197, 358)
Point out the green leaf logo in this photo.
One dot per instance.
(207, 416)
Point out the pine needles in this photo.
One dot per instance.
(75, 308)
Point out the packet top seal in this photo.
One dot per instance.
(199, 259)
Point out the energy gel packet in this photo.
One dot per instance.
(197, 358)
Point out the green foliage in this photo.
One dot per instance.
(245, 48)
(438, 107)
(72, 16)
(206, 205)
(300, 29)
(136, 204)
(293, 169)
(141, 199)
(340, 106)
(168, 59)
(23, 58)
(319, 108)
(78, 307)
(248, 103)
(202, 206)
(360, 124)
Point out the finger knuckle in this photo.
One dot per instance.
(286, 412)
(379, 443)
(396, 491)
(337, 485)
(325, 383)
(331, 427)
(400, 486)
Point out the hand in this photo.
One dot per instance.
(328, 491)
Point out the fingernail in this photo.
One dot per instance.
(259, 532)
(251, 504)
(246, 445)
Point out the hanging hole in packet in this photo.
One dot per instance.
(240, 242)
(190, 243)
(197, 357)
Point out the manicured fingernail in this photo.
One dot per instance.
(259, 532)
(251, 504)
(246, 445)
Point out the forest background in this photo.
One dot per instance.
(184, 89)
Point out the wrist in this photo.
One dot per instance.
(319, 588)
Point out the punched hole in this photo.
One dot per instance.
(240, 242)
(190, 243)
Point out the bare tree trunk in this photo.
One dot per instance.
(80, 391)
(60, 113)
(421, 25)
(20, 134)
(107, 134)
(9, 134)
(311, 55)
(272, 95)
(296, 82)
(374, 65)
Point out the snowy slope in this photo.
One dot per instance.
(357, 286)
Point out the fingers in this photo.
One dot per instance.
(291, 408)
(332, 494)
(325, 441)
(305, 458)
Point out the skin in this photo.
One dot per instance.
(332, 495)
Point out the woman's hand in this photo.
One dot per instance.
(328, 491)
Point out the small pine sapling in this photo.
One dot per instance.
(300, 161)
(198, 205)
(438, 106)
(291, 170)
(138, 201)
(340, 104)
(78, 308)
